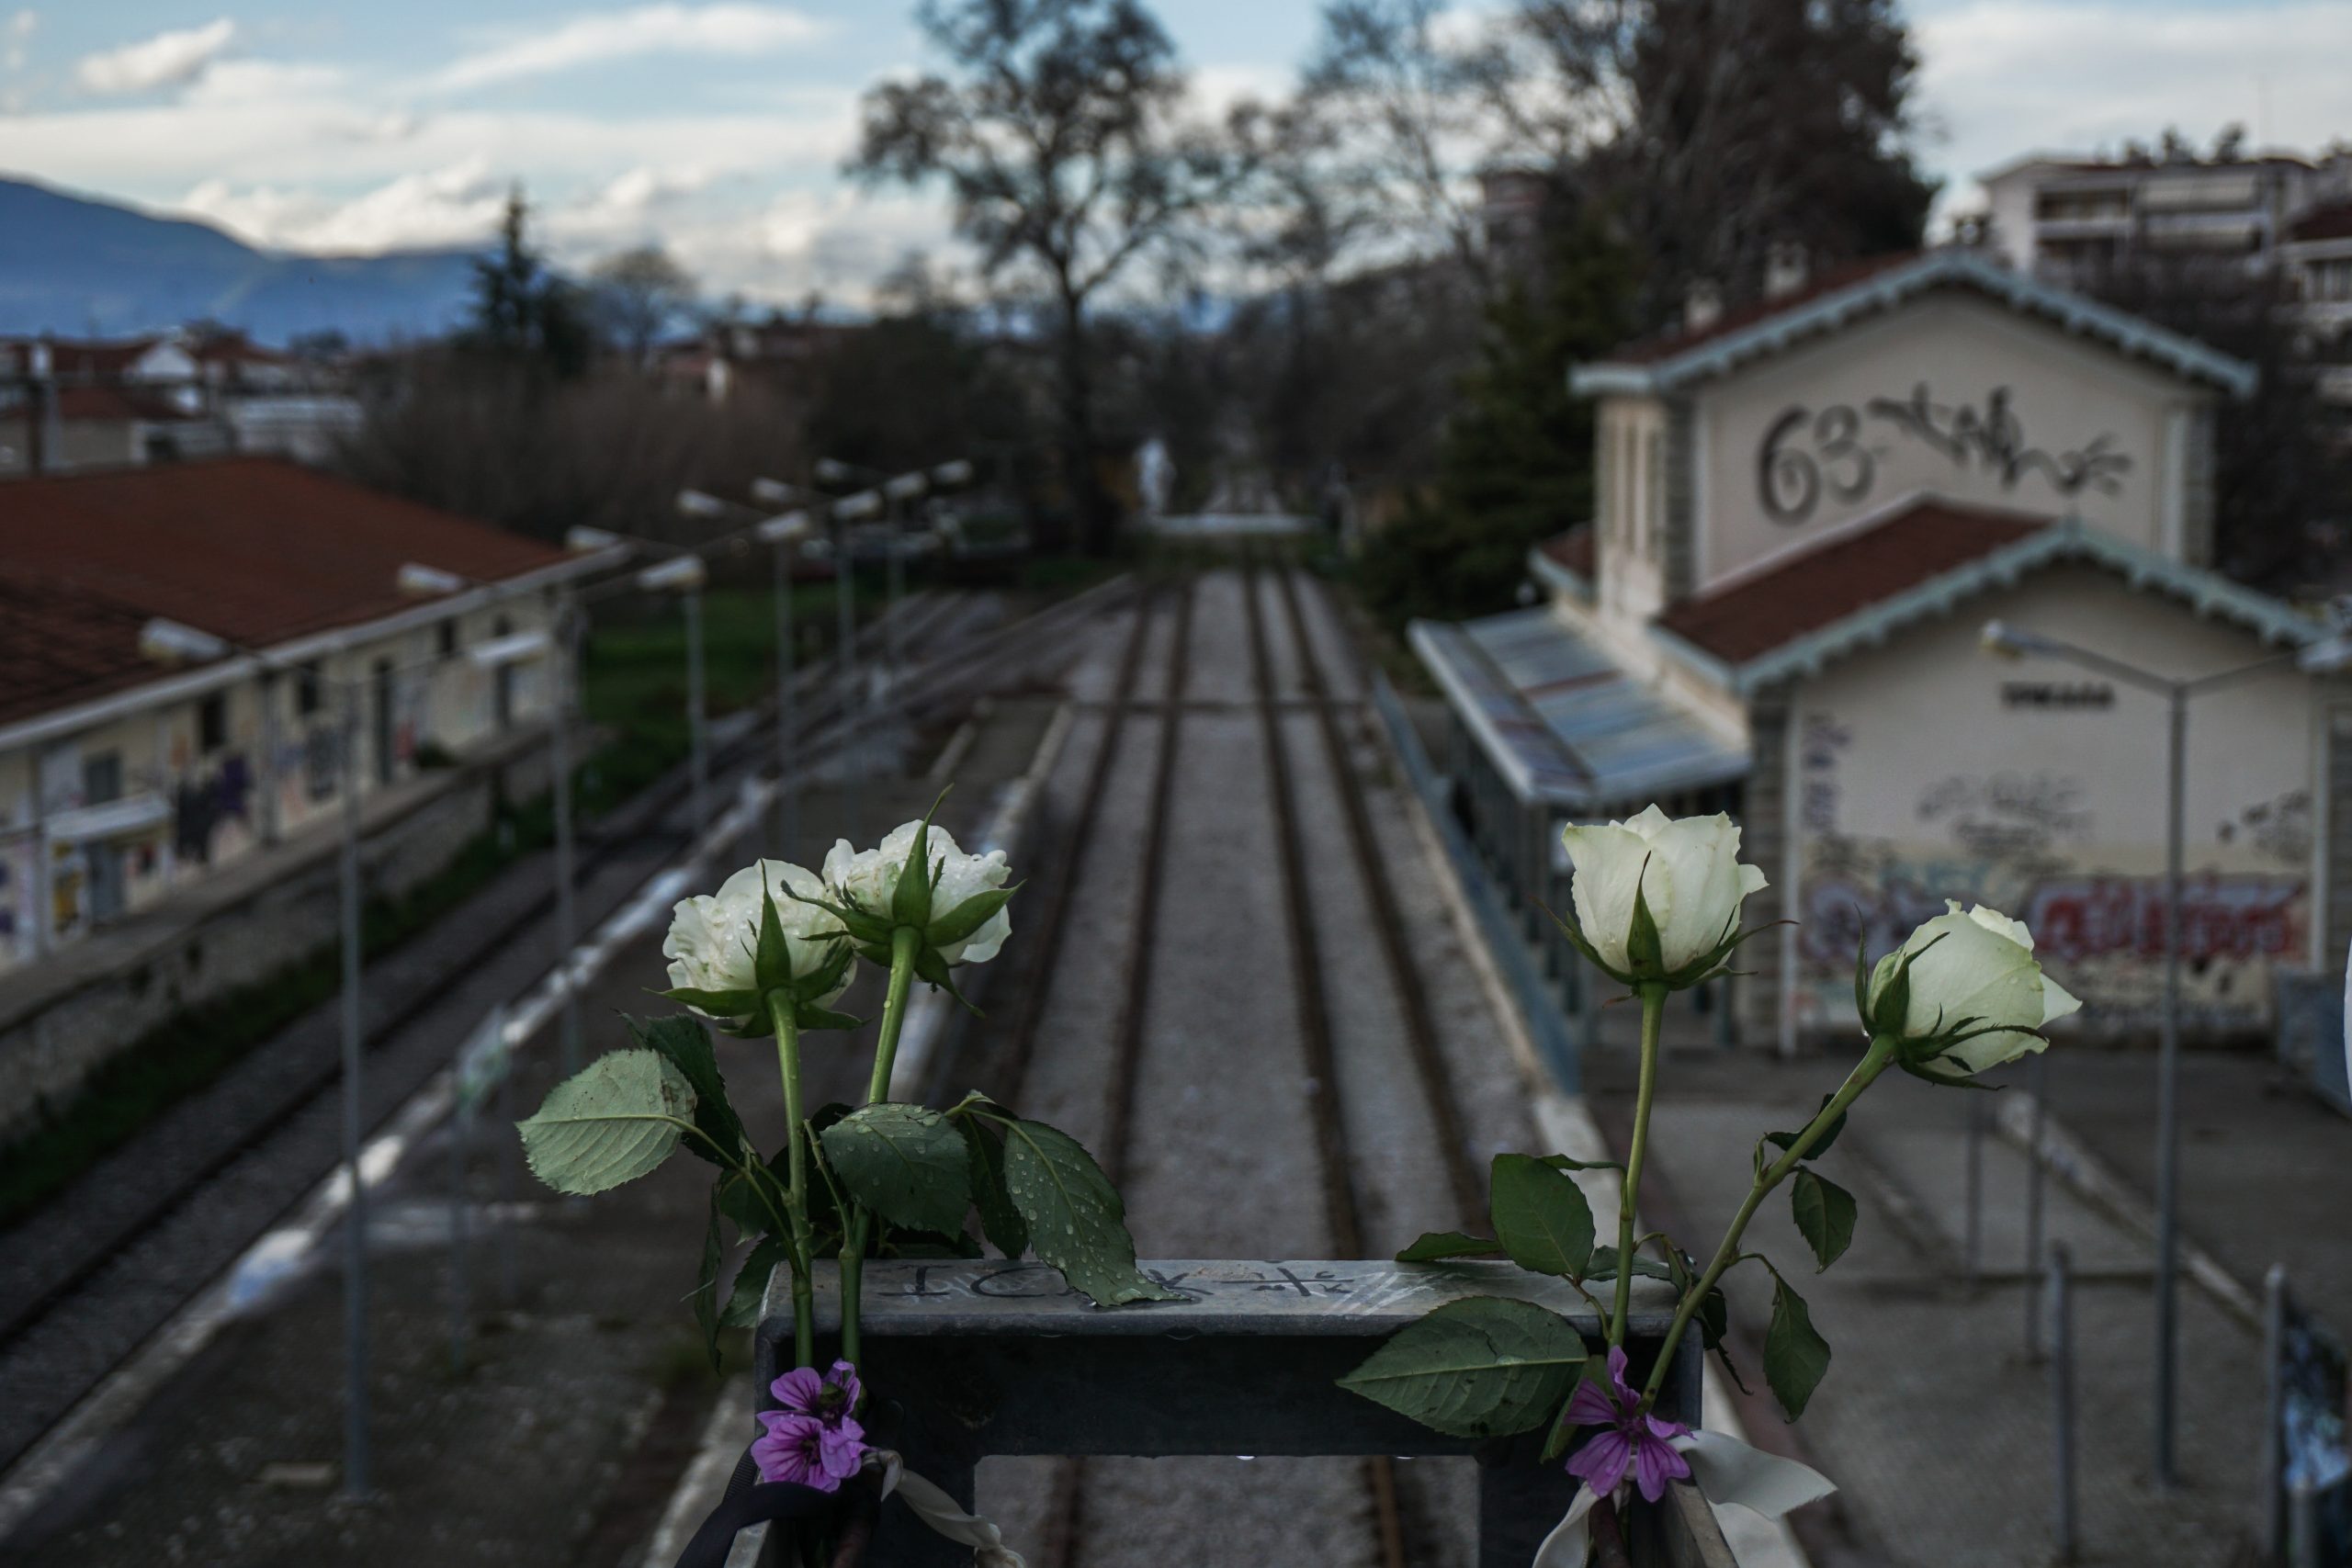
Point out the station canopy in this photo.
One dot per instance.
(1561, 722)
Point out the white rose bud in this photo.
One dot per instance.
(713, 945)
(1688, 877)
(1972, 994)
(867, 882)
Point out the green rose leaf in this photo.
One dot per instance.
(1436, 1247)
(1481, 1367)
(1075, 1219)
(686, 1046)
(904, 1162)
(1785, 1141)
(742, 1309)
(1541, 1216)
(1000, 1221)
(1796, 1357)
(612, 1121)
(1604, 1266)
(1824, 1214)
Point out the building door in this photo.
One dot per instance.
(386, 726)
(101, 783)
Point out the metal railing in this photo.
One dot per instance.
(970, 1359)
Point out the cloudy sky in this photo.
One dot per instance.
(720, 127)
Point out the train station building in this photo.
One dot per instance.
(1808, 512)
(138, 766)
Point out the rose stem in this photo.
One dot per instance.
(904, 943)
(1653, 1019)
(780, 1010)
(1875, 1061)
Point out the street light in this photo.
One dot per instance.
(2015, 642)
(428, 580)
(174, 642)
(684, 575)
(784, 533)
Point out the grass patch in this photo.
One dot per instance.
(193, 1048)
(633, 689)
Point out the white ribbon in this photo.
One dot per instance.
(1723, 1469)
(934, 1508)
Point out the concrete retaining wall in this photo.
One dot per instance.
(49, 1052)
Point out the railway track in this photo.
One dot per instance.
(1397, 1530)
(99, 1289)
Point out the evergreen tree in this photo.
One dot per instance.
(1515, 467)
(526, 315)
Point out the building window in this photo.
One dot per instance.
(212, 723)
(447, 636)
(101, 778)
(309, 688)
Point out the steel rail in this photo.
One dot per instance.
(951, 670)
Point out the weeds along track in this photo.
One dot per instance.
(1305, 909)
(86, 1282)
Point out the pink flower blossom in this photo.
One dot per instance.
(1626, 1440)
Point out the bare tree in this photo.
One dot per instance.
(1717, 128)
(1060, 136)
(1398, 116)
(635, 294)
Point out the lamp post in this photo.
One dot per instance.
(896, 490)
(2015, 642)
(562, 679)
(784, 533)
(171, 642)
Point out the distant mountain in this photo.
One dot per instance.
(76, 267)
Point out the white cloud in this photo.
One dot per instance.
(163, 60)
(15, 39)
(458, 204)
(723, 29)
(2005, 77)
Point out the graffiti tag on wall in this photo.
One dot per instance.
(2223, 918)
(1808, 452)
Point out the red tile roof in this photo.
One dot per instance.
(1648, 351)
(256, 551)
(1574, 550)
(1824, 586)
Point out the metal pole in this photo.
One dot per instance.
(697, 734)
(846, 594)
(896, 585)
(788, 708)
(2274, 1416)
(567, 910)
(2040, 1091)
(460, 1131)
(266, 776)
(1971, 1259)
(354, 1220)
(2168, 1099)
(2061, 1401)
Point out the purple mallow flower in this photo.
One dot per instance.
(806, 1451)
(815, 1440)
(1627, 1439)
(835, 1394)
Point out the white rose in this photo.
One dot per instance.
(713, 937)
(866, 878)
(1980, 967)
(1689, 874)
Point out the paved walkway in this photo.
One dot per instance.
(1933, 1418)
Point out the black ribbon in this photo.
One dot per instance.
(750, 1500)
